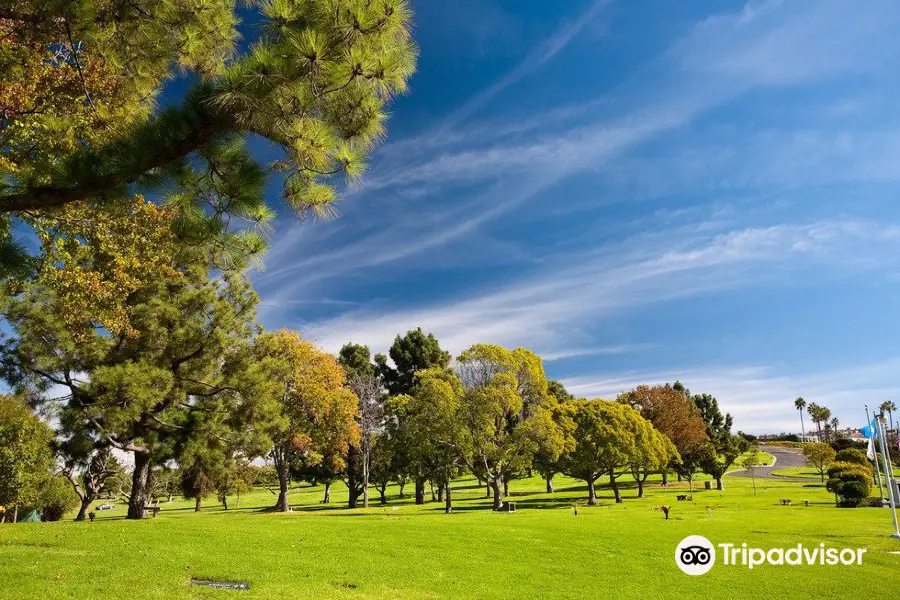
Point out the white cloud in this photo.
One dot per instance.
(761, 397)
(547, 310)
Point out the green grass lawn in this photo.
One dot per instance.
(402, 551)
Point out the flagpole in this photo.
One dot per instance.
(884, 460)
(875, 460)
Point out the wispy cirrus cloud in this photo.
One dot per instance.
(761, 397)
(547, 310)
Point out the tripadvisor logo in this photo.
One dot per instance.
(696, 555)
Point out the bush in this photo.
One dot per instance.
(852, 455)
(850, 482)
(56, 499)
(845, 443)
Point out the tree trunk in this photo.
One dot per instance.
(140, 486)
(679, 477)
(497, 489)
(420, 491)
(505, 487)
(691, 487)
(448, 503)
(352, 484)
(440, 492)
(592, 492)
(640, 488)
(487, 489)
(719, 485)
(327, 497)
(16, 513)
(365, 467)
(431, 483)
(283, 505)
(665, 476)
(615, 488)
(197, 506)
(85, 505)
(402, 485)
(549, 481)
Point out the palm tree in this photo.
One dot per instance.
(825, 416)
(815, 412)
(800, 404)
(834, 426)
(889, 407)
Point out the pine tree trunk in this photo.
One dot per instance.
(592, 492)
(420, 491)
(497, 489)
(140, 486)
(283, 504)
(549, 481)
(615, 488)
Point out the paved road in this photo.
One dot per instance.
(784, 457)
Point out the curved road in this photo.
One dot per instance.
(784, 457)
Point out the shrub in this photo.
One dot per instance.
(845, 443)
(56, 498)
(852, 455)
(850, 482)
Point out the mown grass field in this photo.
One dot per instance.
(403, 551)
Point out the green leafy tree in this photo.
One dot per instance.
(558, 391)
(185, 369)
(25, 454)
(316, 83)
(236, 479)
(415, 351)
(723, 447)
(609, 437)
(316, 420)
(506, 411)
(819, 456)
(432, 428)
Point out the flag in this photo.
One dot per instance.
(870, 453)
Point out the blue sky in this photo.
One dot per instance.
(638, 191)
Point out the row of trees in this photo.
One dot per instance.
(194, 380)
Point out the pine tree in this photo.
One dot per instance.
(77, 112)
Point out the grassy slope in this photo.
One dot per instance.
(403, 551)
